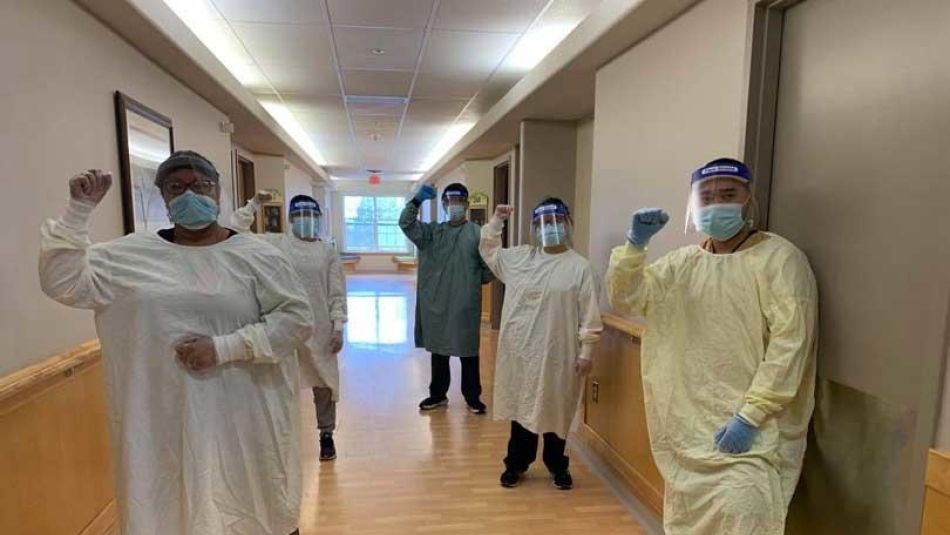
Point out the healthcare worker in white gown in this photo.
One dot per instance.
(728, 358)
(550, 323)
(318, 266)
(198, 326)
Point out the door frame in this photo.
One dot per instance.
(758, 152)
(501, 194)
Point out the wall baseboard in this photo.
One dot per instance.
(636, 483)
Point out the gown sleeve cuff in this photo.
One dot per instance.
(230, 348)
(77, 214)
(753, 415)
(587, 351)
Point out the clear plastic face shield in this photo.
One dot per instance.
(720, 202)
(552, 226)
(455, 204)
(305, 221)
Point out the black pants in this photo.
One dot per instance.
(441, 377)
(523, 450)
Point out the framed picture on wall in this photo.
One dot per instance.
(145, 140)
(271, 217)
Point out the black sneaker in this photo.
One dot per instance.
(563, 480)
(432, 403)
(511, 478)
(477, 407)
(327, 448)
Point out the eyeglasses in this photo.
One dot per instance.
(201, 187)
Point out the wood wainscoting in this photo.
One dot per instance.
(937, 499)
(55, 455)
(614, 425)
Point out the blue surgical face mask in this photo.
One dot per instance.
(304, 227)
(193, 211)
(456, 212)
(719, 221)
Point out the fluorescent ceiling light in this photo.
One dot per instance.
(204, 20)
(455, 133)
(289, 123)
(537, 43)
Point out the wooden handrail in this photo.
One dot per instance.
(623, 325)
(37, 374)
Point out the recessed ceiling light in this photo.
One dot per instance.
(378, 51)
(376, 137)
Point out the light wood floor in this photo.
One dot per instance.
(400, 471)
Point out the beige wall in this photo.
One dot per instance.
(663, 108)
(584, 167)
(60, 67)
(547, 168)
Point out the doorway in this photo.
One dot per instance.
(502, 177)
(848, 140)
(245, 183)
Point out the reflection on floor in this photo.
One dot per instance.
(402, 472)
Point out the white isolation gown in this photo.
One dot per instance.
(725, 334)
(549, 318)
(212, 453)
(318, 266)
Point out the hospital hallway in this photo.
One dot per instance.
(400, 471)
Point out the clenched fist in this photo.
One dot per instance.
(503, 211)
(90, 186)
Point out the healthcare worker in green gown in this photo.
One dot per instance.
(728, 358)
(448, 293)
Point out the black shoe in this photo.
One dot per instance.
(563, 480)
(432, 403)
(327, 448)
(477, 407)
(511, 478)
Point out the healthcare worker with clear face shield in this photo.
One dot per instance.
(550, 322)
(198, 326)
(318, 266)
(728, 358)
(448, 293)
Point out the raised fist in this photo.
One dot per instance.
(90, 186)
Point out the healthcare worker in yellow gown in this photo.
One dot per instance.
(728, 358)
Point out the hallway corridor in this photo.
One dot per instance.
(402, 472)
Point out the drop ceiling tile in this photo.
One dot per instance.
(287, 44)
(488, 15)
(273, 11)
(452, 86)
(306, 80)
(380, 13)
(440, 111)
(451, 52)
(375, 129)
(377, 83)
(355, 48)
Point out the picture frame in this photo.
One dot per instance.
(272, 218)
(145, 139)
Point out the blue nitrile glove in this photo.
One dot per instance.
(736, 436)
(426, 192)
(646, 222)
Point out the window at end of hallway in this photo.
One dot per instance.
(371, 225)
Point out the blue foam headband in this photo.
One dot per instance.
(300, 206)
(546, 209)
(739, 172)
